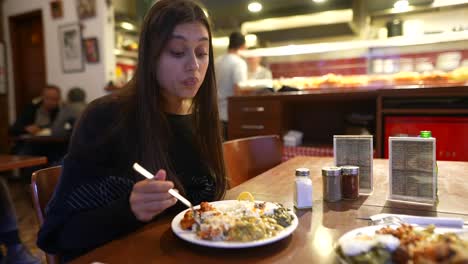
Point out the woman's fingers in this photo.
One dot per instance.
(158, 206)
(160, 175)
(145, 211)
(153, 186)
(152, 197)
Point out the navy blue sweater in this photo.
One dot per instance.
(90, 205)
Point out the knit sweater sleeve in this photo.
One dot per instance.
(90, 205)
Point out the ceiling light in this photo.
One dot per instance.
(401, 5)
(255, 7)
(127, 26)
(319, 1)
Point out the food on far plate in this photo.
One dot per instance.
(239, 221)
(404, 244)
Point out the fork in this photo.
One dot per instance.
(391, 219)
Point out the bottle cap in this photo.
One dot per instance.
(350, 169)
(331, 171)
(425, 134)
(302, 172)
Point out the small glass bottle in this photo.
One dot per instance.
(331, 177)
(303, 189)
(425, 134)
(350, 182)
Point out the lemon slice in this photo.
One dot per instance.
(245, 196)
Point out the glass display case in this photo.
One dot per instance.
(437, 59)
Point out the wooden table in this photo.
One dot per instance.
(10, 162)
(318, 229)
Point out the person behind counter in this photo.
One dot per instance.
(166, 119)
(256, 70)
(231, 70)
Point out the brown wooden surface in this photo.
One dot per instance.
(246, 158)
(318, 229)
(4, 124)
(41, 139)
(27, 42)
(10, 162)
(4, 137)
(43, 184)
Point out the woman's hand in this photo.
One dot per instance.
(150, 197)
(32, 129)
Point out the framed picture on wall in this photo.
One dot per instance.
(91, 50)
(56, 9)
(86, 8)
(70, 48)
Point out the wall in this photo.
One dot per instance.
(95, 76)
(127, 7)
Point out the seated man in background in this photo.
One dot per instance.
(38, 115)
(36, 120)
(69, 113)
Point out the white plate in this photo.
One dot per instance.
(191, 237)
(370, 230)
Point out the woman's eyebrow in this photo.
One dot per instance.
(176, 36)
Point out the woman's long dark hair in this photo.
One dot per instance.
(144, 101)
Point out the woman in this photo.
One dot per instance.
(165, 119)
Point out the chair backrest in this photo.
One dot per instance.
(43, 184)
(246, 158)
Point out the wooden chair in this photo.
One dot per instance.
(43, 184)
(246, 158)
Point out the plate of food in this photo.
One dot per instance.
(235, 224)
(403, 244)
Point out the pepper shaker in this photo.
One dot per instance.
(331, 177)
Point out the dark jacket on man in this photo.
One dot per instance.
(28, 117)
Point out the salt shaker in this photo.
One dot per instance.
(303, 189)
